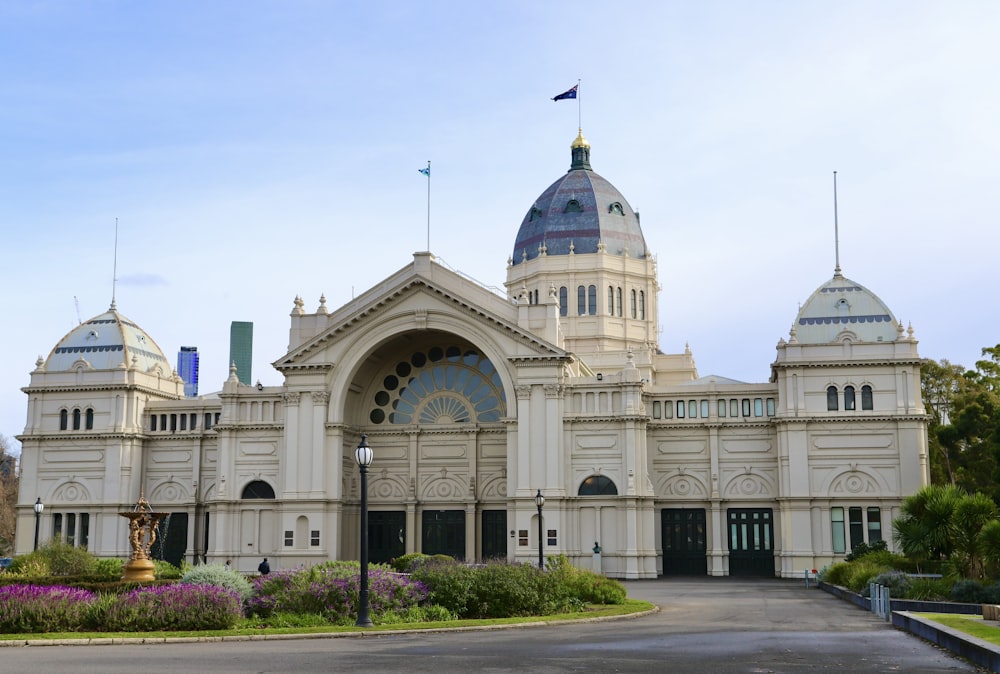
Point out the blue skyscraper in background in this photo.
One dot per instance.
(187, 368)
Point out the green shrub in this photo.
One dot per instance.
(108, 568)
(593, 588)
(415, 614)
(449, 584)
(164, 570)
(898, 583)
(403, 564)
(861, 573)
(837, 574)
(929, 589)
(503, 590)
(54, 558)
(969, 591)
(863, 549)
(217, 575)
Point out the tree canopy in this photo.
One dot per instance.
(964, 429)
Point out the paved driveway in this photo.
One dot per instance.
(705, 625)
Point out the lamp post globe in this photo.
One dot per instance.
(39, 509)
(363, 455)
(539, 502)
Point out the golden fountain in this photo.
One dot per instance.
(142, 528)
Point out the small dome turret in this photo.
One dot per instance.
(107, 342)
(840, 306)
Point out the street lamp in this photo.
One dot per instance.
(364, 455)
(540, 501)
(39, 508)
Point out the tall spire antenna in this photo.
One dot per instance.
(836, 228)
(114, 268)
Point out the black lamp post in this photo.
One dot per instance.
(364, 455)
(39, 508)
(540, 501)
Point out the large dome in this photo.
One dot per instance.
(107, 342)
(842, 306)
(578, 213)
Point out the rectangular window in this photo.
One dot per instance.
(592, 300)
(289, 538)
(152, 422)
(680, 409)
(71, 528)
(770, 407)
(837, 520)
(173, 423)
(314, 538)
(734, 407)
(163, 422)
(184, 422)
(208, 421)
(194, 421)
(656, 409)
(722, 408)
(57, 525)
(704, 409)
(84, 530)
(217, 415)
(581, 300)
(856, 526)
(874, 525)
(692, 409)
(758, 407)
(746, 407)
(668, 409)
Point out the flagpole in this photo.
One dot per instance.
(579, 106)
(428, 205)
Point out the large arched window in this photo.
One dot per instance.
(597, 485)
(634, 307)
(89, 419)
(258, 489)
(76, 419)
(63, 420)
(618, 301)
(866, 398)
(581, 300)
(440, 385)
(642, 305)
(611, 301)
(592, 300)
(832, 401)
(563, 299)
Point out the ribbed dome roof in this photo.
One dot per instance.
(107, 342)
(577, 213)
(841, 305)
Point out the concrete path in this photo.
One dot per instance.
(705, 625)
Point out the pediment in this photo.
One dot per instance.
(423, 296)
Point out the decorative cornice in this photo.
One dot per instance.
(786, 365)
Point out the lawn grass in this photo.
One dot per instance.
(592, 611)
(972, 625)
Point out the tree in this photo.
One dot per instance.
(8, 496)
(964, 429)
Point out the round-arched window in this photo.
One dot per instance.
(258, 489)
(597, 485)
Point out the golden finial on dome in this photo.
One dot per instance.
(580, 140)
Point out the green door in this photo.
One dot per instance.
(494, 534)
(683, 537)
(386, 535)
(751, 542)
(444, 533)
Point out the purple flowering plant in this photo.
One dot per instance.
(36, 608)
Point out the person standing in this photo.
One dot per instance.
(264, 567)
(229, 565)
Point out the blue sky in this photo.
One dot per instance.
(253, 151)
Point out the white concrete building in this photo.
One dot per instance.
(474, 402)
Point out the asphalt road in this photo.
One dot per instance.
(705, 625)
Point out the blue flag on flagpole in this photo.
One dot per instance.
(426, 171)
(570, 93)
